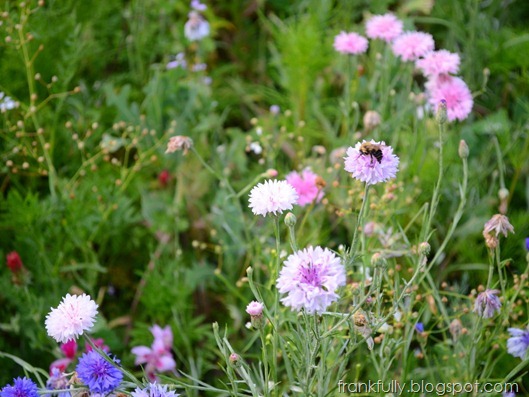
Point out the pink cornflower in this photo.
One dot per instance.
(179, 142)
(272, 197)
(308, 185)
(350, 43)
(69, 348)
(13, 262)
(487, 303)
(310, 278)
(410, 46)
(254, 308)
(371, 162)
(74, 315)
(439, 62)
(458, 97)
(158, 357)
(385, 27)
(498, 224)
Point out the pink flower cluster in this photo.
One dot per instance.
(158, 357)
(439, 67)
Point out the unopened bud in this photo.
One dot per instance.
(371, 120)
(503, 194)
(424, 248)
(235, 360)
(377, 259)
(463, 149)
(290, 219)
(441, 116)
(271, 173)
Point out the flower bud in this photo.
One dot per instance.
(377, 259)
(441, 115)
(503, 194)
(290, 219)
(371, 120)
(424, 248)
(463, 149)
(255, 310)
(235, 360)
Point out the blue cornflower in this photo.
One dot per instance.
(419, 327)
(154, 390)
(97, 373)
(527, 243)
(518, 343)
(22, 387)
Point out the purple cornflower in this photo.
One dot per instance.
(310, 278)
(22, 387)
(371, 162)
(487, 303)
(58, 381)
(154, 390)
(197, 5)
(518, 343)
(527, 243)
(97, 373)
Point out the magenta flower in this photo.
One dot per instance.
(350, 43)
(307, 185)
(440, 62)
(71, 318)
(272, 197)
(487, 303)
(458, 97)
(310, 279)
(69, 348)
(412, 45)
(385, 27)
(371, 162)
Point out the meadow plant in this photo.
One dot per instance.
(349, 259)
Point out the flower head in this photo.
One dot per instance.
(196, 28)
(487, 303)
(6, 103)
(498, 224)
(74, 315)
(412, 45)
(69, 348)
(458, 97)
(371, 162)
(386, 27)
(310, 278)
(419, 327)
(22, 387)
(154, 390)
(254, 308)
(439, 62)
(13, 261)
(179, 142)
(350, 43)
(307, 185)
(97, 373)
(158, 357)
(272, 197)
(518, 343)
(197, 5)
(58, 381)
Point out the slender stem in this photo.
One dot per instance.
(359, 222)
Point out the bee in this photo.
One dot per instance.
(371, 149)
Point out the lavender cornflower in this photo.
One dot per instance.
(487, 303)
(371, 162)
(196, 28)
(97, 373)
(58, 381)
(22, 387)
(310, 279)
(154, 390)
(518, 343)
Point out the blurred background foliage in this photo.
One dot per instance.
(174, 251)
